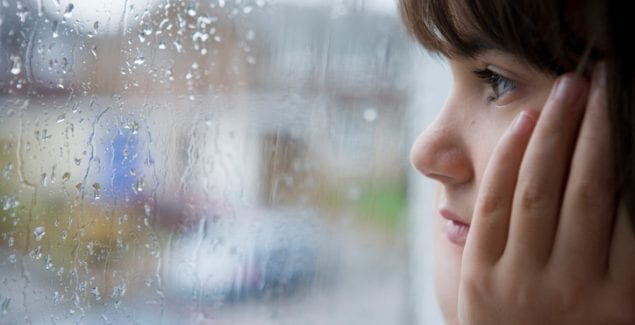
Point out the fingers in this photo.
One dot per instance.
(588, 207)
(622, 254)
(543, 172)
(490, 224)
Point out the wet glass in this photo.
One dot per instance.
(240, 161)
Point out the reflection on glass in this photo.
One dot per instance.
(203, 161)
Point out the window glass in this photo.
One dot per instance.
(222, 161)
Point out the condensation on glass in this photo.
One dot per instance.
(217, 161)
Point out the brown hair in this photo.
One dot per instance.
(554, 37)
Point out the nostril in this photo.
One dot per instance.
(441, 178)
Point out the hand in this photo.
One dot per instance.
(549, 242)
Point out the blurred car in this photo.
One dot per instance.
(254, 254)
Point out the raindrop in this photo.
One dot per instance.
(9, 202)
(247, 9)
(139, 60)
(61, 118)
(93, 50)
(178, 46)
(43, 180)
(251, 60)
(147, 29)
(96, 192)
(370, 114)
(147, 209)
(12, 258)
(64, 235)
(95, 292)
(16, 64)
(191, 12)
(250, 35)
(133, 126)
(260, 3)
(96, 26)
(133, 172)
(221, 3)
(48, 262)
(39, 232)
(200, 36)
(138, 185)
(77, 161)
(54, 29)
(118, 291)
(5, 305)
(37, 253)
(69, 10)
(161, 45)
(66, 176)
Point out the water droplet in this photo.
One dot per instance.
(77, 161)
(118, 291)
(54, 29)
(12, 258)
(5, 305)
(177, 44)
(43, 180)
(250, 35)
(39, 232)
(96, 192)
(95, 292)
(11, 241)
(64, 234)
(370, 114)
(96, 26)
(191, 12)
(221, 3)
(93, 50)
(16, 64)
(133, 126)
(200, 36)
(66, 176)
(9, 202)
(161, 45)
(69, 10)
(147, 209)
(247, 9)
(138, 185)
(251, 60)
(37, 253)
(48, 262)
(133, 172)
(139, 60)
(61, 118)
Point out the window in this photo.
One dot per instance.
(240, 161)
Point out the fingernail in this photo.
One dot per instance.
(569, 88)
(524, 123)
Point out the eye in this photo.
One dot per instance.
(499, 84)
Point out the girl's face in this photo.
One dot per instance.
(489, 90)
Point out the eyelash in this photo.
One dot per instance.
(495, 81)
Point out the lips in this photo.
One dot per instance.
(456, 229)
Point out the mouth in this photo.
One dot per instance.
(456, 229)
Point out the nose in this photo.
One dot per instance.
(441, 152)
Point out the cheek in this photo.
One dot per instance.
(486, 133)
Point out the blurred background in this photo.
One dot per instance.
(213, 162)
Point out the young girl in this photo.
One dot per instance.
(533, 153)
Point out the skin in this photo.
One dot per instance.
(531, 173)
